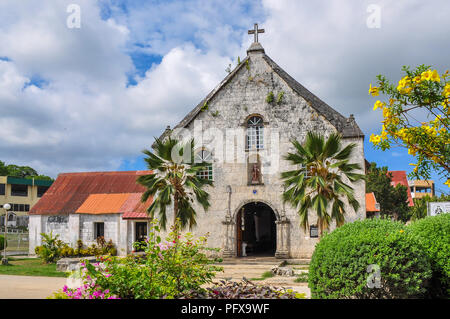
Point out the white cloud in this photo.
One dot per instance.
(84, 117)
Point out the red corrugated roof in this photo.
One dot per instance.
(399, 177)
(370, 203)
(70, 190)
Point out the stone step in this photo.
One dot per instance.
(263, 261)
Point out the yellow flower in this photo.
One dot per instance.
(401, 231)
(386, 112)
(391, 101)
(447, 182)
(446, 91)
(375, 139)
(435, 76)
(417, 79)
(374, 90)
(378, 104)
(407, 90)
(426, 75)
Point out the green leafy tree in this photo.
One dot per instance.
(318, 182)
(393, 200)
(174, 180)
(21, 172)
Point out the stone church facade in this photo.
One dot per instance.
(244, 127)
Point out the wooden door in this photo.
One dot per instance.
(239, 232)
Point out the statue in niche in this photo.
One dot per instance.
(255, 174)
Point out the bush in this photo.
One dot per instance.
(50, 251)
(2, 242)
(339, 266)
(242, 290)
(167, 269)
(53, 249)
(433, 234)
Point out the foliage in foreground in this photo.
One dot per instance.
(167, 268)
(433, 234)
(341, 263)
(242, 290)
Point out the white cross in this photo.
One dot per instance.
(255, 31)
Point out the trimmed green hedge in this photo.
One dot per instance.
(2, 241)
(339, 265)
(433, 234)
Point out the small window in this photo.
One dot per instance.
(313, 231)
(2, 189)
(27, 208)
(204, 156)
(19, 190)
(255, 140)
(99, 230)
(41, 190)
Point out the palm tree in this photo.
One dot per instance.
(174, 180)
(318, 182)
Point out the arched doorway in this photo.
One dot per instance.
(255, 226)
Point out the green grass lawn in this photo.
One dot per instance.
(30, 267)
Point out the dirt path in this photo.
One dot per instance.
(28, 287)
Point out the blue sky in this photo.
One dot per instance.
(92, 98)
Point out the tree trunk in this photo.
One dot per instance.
(175, 212)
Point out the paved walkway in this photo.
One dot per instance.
(28, 287)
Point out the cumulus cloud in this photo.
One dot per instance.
(66, 102)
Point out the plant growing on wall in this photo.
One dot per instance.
(174, 181)
(318, 183)
(270, 97)
(280, 97)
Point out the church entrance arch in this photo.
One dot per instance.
(256, 231)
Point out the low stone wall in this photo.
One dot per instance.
(71, 264)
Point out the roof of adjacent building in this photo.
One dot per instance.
(371, 202)
(94, 193)
(346, 126)
(399, 177)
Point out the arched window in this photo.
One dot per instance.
(255, 126)
(204, 156)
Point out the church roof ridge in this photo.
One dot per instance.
(346, 126)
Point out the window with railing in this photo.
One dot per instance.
(204, 156)
(2, 189)
(255, 133)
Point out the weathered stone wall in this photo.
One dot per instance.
(292, 118)
(111, 229)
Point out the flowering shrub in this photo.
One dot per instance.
(89, 290)
(167, 269)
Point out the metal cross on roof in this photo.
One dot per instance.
(255, 31)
